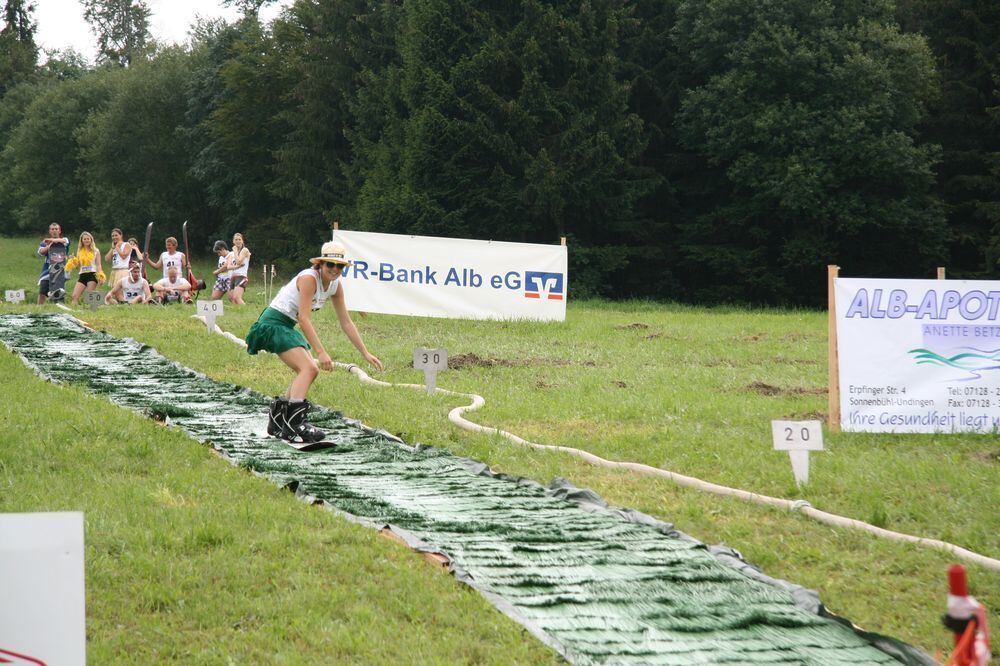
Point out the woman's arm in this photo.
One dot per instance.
(350, 330)
(307, 289)
(241, 258)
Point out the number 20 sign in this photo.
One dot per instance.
(798, 438)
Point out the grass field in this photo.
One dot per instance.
(189, 557)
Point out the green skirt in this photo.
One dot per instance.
(274, 332)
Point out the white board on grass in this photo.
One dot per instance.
(42, 614)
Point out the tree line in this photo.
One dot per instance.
(692, 150)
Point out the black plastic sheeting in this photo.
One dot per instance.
(596, 583)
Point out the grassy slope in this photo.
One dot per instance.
(676, 392)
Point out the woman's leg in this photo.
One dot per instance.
(302, 364)
(236, 295)
(77, 291)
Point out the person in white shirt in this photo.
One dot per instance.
(274, 331)
(221, 273)
(132, 289)
(172, 289)
(239, 259)
(118, 256)
(170, 258)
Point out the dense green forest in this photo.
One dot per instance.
(692, 150)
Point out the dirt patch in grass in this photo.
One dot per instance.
(636, 326)
(769, 389)
(987, 456)
(474, 360)
(620, 384)
(806, 416)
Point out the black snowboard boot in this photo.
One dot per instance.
(296, 428)
(276, 417)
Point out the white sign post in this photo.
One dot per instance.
(14, 295)
(43, 615)
(93, 299)
(210, 310)
(431, 361)
(798, 438)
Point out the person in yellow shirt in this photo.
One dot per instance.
(88, 260)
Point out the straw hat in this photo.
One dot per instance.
(333, 253)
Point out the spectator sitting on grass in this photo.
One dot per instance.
(131, 289)
(172, 289)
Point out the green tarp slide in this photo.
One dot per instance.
(596, 583)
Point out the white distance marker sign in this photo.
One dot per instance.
(798, 438)
(431, 361)
(14, 295)
(210, 310)
(93, 299)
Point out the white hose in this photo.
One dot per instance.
(455, 416)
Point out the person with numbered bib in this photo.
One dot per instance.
(275, 331)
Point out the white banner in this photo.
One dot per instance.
(449, 277)
(918, 355)
(42, 615)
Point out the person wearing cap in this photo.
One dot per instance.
(274, 331)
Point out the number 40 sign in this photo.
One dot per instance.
(798, 438)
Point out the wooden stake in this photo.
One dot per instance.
(833, 368)
(562, 241)
(941, 272)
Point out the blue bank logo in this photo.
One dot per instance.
(540, 284)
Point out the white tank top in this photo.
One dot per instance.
(169, 260)
(132, 289)
(287, 300)
(117, 263)
(222, 261)
(240, 270)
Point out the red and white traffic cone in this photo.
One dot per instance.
(966, 618)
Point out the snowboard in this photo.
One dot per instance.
(310, 446)
(145, 248)
(57, 272)
(196, 284)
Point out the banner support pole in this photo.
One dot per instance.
(833, 367)
(562, 241)
(940, 273)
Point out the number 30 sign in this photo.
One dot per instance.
(430, 361)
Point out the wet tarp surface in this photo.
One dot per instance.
(598, 584)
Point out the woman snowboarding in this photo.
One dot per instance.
(274, 331)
